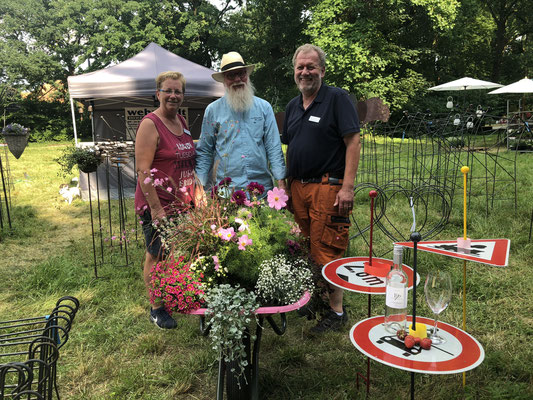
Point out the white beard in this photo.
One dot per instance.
(240, 100)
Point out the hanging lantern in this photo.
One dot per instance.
(470, 123)
(457, 119)
(449, 103)
(479, 112)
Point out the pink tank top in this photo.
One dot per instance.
(173, 165)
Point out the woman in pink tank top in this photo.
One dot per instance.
(165, 157)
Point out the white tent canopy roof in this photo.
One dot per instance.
(522, 86)
(466, 83)
(135, 77)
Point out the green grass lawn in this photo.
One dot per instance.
(114, 352)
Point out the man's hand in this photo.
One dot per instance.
(344, 200)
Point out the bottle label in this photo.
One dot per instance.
(396, 297)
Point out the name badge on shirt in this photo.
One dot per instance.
(188, 132)
(312, 118)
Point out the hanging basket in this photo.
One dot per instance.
(16, 143)
(89, 166)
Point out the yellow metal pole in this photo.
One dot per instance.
(465, 171)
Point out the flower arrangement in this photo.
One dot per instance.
(15, 129)
(236, 248)
(228, 237)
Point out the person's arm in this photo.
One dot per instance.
(205, 149)
(145, 147)
(273, 149)
(345, 196)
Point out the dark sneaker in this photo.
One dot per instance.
(162, 319)
(307, 311)
(330, 322)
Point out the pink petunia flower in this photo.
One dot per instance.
(244, 241)
(277, 198)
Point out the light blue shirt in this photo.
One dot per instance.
(244, 146)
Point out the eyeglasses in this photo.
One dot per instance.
(241, 73)
(170, 91)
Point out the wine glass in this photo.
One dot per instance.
(438, 290)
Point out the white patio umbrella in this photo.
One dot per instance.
(466, 83)
(522, 86)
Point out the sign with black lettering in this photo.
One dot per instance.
(134, 115)
(486, 251)
(349, 273)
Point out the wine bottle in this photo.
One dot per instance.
(396, 294)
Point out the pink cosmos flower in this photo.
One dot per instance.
(158, 182)
(217, 263)
(169, 189)
(244, 241)
(227, 234)
(153, 170)
(147, 180)
(183, 189)
(277, 198)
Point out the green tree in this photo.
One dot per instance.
(266, 33)
(43, 41)
(382, 47)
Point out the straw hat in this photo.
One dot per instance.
(231, 61)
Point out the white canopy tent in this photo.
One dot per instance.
(131, 83)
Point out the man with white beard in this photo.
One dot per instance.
(239, 138)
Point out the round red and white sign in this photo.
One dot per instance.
(349, 273)
(461, 352)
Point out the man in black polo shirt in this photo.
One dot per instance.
(321, 128)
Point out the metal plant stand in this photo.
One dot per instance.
(4, 197)
(428, 149)
(29, 350)
(110, 229)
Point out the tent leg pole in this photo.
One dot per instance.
(74, 121)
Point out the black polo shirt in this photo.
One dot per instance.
(315, 135)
